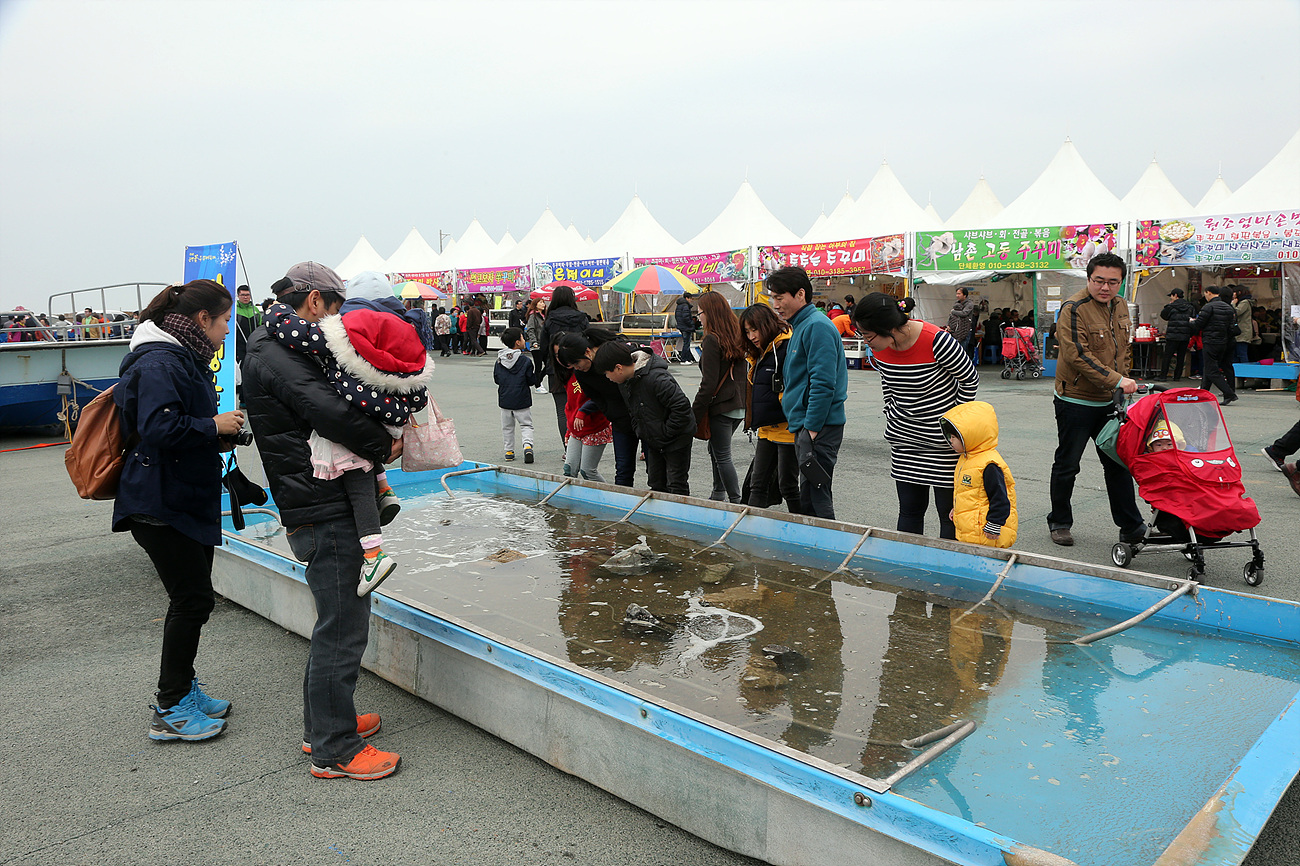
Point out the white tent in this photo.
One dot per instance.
(362, 258)
(546, 241)
(933, 214)
(979, 208)
(474, 249)
(817, 223)
(743, 222)
(1275, 187)
(883, 208)
(507, 242)
(1155, 197)
(575, 235)
(1214, 196)
(636, 232)
(1066, 193)
(414, 255)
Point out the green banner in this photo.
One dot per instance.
(1045, 248)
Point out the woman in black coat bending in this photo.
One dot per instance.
(169, 496)
(562, 317)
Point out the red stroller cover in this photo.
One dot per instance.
(1199, 480)
(1017, 341)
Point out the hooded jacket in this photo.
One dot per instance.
(1214, 324)
(659, 409)
(984, 493)
(683, 315)
(560, 321)
(173, 474)
(765, 413)
(515, 375)
(594, 421)
(961, 320)
(1245, 309)
(816, 374)
(607, 398)
(1179, 315)
(1094, 347)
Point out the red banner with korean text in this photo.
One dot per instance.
(703, 270)
(885, 254)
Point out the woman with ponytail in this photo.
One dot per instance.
(169, 496)
(924, 372)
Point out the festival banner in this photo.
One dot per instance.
(593, 273)
(476, 280)
(731, 266)
(1272, 236)
(443, 281)
(217, 262)
(885, 254)
(1042, 248)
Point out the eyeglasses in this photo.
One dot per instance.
(1110, 284)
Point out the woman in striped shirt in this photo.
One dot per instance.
(923, 374)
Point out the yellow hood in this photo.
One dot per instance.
(977, 424)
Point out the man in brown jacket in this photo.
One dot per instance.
(1093, 331)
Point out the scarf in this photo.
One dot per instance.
(190, 335)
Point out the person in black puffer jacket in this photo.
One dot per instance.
(562, 317)
(766, 337)
(1214, 324)
(684, 318)
(1179, 314)
(576, 352)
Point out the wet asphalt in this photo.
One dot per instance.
(80, 618)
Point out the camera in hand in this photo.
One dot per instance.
(239, 437)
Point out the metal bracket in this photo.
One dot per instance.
(444, 478)
(1183, 589)
(947, 737)
(744, 512)
(997, 583)
(563, 484)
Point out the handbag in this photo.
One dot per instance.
(430, 446)
(95, 458)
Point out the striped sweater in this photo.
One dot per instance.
(919, 385)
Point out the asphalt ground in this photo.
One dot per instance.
(80, 617)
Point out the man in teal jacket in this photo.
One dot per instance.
(816, 381)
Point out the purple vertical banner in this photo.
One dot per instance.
(217, 262)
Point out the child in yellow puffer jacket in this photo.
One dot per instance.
(984, 495)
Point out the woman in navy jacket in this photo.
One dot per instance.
(169, 496)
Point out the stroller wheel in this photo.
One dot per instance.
(1121, 554)
(1252, 574)
(1020, 375)
(1006, 374)
(1187, 555)
(1195, 573)
(1038, 374)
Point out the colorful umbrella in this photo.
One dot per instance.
(580, 292)
(422, 291)
(652, 280)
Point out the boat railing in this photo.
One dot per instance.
(70, 298)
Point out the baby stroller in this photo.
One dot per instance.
(1020, 354)
(1177, 447)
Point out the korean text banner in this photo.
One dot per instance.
(443, 281)
(492, 280)
(217, 262)
(590, 272)
(1042, 248)
(728, 267)
(1273, 236)
(837, 258)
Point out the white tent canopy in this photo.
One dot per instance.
(743, 222)
(883, 208)
(1155, 197)
(838, 215)
(576, 236)
(362, 258)
(1275, 187)
(507, 242)
(933, 214)
(637, 232)
(546, 241)
(1066, 193)
(979, 208)
(414, 255)
(817, 223)
(1214, 196)
(473, 249)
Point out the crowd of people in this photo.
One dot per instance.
(25, 327)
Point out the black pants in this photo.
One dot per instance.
(1075, 425)
(560, 399)
(185, 567)
(1174, 348)
(1217, 362)
(914, 500)
(1288, 443)
(778, 457)
(668, 470)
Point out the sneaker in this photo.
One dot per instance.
(528, 454)
(389, 505)
(213, 708)
(373, 573)
(1062, 537)
(185, 721)
(367, 725)
(1275, 462)
(510, 455)
(369, 763)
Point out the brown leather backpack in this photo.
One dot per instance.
(94, 458)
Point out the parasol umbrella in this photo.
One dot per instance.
(580, 292)
(652, 280)
(422, 291)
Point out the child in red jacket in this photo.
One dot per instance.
(588, 433)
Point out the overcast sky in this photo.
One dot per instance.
(130, 129)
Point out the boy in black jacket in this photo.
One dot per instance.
(515, 376)
(660, 410)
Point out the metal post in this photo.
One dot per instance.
(1183, 589)
(951, 736)
(444, 478)
(1001, 577)
(563, 484)
(623, 519)
(743, 513)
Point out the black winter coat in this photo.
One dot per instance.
(1179, 315)
(604, 396)
(173, 474)
(515, 382)
(288, 397)
(765, 404)
(1214, 322)
(560, 321)
(684, 315)
(660, 411)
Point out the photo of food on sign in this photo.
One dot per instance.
(1088, 241)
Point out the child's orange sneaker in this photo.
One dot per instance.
(366, 765)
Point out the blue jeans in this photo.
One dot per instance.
(332, 552)
(1075, 425)
(726, 486)
(625, 458)
(825, 448)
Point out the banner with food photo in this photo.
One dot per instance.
(879, 255)
(1272, 236)
(443, 281)
(477, 280)
(1040, 248)
(731, 266)
(590, 272)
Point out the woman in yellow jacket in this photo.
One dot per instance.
(765, 344)
(984, 494)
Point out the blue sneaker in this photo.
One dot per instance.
(211, 707)
(185, 721)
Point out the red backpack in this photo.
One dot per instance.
(94, 458)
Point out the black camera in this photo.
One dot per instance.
(240, 437)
